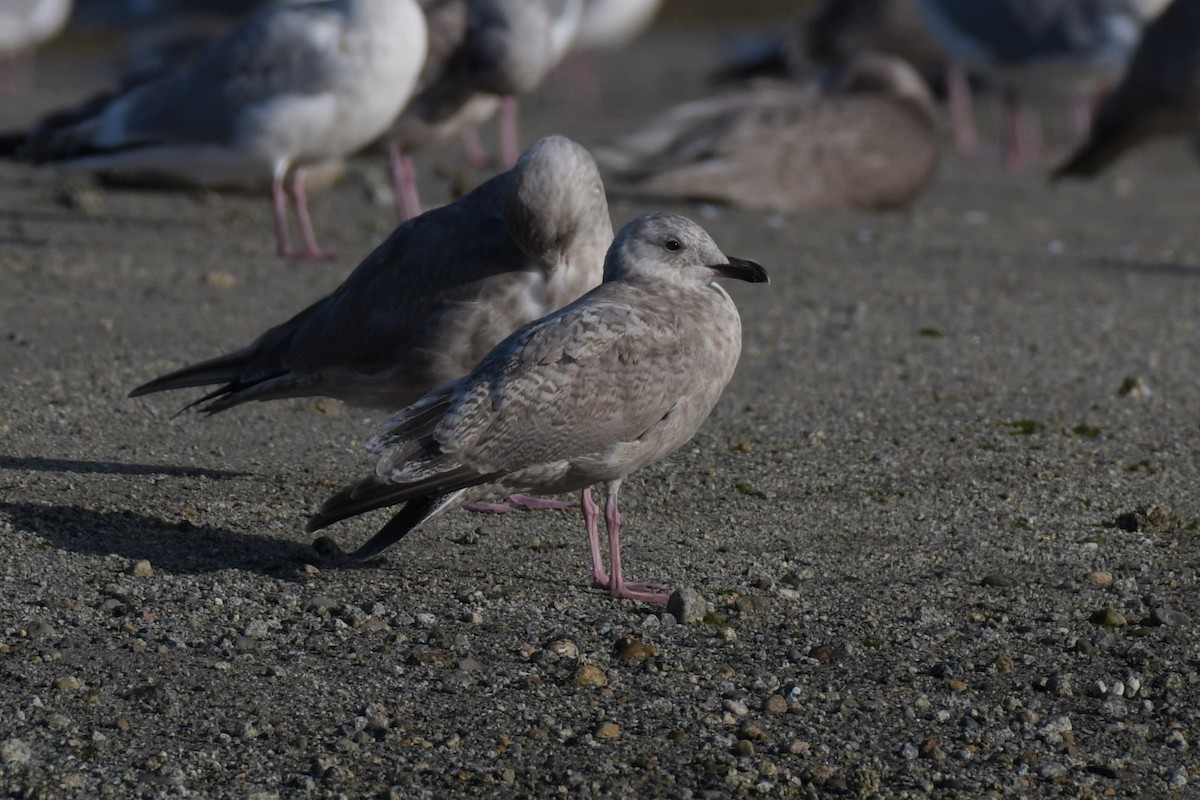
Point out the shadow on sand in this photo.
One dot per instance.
(35, 464)
(173, 547)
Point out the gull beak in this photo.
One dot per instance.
(742, 270)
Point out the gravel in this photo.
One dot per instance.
(940, 534)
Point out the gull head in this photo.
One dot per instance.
(554, 204)
(670, 247)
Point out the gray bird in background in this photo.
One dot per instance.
(617, 380)
(435, 296)
(1159, 95)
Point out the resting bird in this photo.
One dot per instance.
(434, 297)
(870, 143)
(617, 380)
(1159, 95)
(294, 85)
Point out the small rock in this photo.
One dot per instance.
(998, 581)
(628, 649)
(736, 707)
(68, 683)
(1100, 578)
(321, 603)
(608, 730)
(15, 751)
(687, 606)
(1109, 617)
(752, 731)
(589, 676)
(956, 685)
(908, 751)
(142, 569)
(1166, 616)
(744, 747)
(776, 704)
(38, 629)
(1135, 388)
(564, 648)
(1052, 771)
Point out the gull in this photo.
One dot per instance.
(294, 85)
(434, 297)
(871, 142)
(617, 380)
(1159, 95)
(1064, 48)
(25, 24)
(483, 54)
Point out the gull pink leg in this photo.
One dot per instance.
(591, 518)
(404, 184)
(962, 117)
(477, 154)
(510, 144)
(312, 250)
(642, 592)
(279, 203)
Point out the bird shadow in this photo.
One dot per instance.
(181, 548)
(35, 464)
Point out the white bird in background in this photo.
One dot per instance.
(295, 85)
(617, 380)
(25, 24)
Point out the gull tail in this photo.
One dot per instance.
(414, 513)
(227, 369)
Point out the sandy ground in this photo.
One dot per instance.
(944, 517)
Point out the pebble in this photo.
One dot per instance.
(1109, 617)
(736, 707)
(627, 649)
(141, 569)
(589, 676)
(68, 683)
(1100, 578)
(608, 730)
(776, 704)
(15, 751)
(687, 606)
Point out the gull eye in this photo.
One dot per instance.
(673, 244)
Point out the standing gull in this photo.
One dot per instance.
(434, 297)
(294, 85)
(1159, 95)
(617, 380)
(1063, 48)
(483, 54)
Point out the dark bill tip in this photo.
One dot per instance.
(742, 270)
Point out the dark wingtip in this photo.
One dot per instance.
(742, 270)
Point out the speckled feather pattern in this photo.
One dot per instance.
(616, 380)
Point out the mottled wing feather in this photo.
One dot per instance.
(593, 375)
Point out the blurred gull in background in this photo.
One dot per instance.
(295, 85)
(25, 24)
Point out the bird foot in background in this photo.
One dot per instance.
(516, 502)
